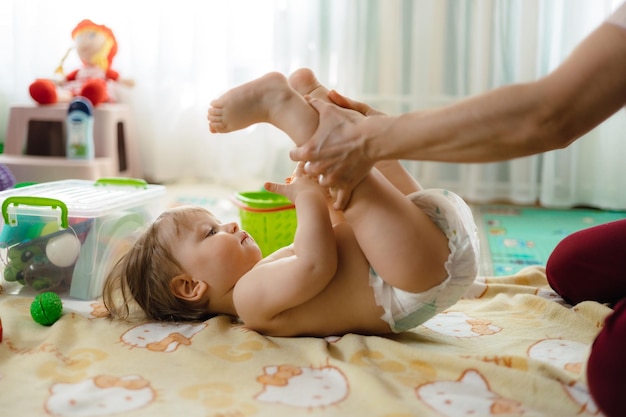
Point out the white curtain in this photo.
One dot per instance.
(397, 55)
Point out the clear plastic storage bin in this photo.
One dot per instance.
(65, 236)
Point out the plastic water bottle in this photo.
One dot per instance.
(79, 128)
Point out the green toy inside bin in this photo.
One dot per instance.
(269, 218)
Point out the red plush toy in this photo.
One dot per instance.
(96, 47)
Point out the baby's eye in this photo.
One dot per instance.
(211, 232)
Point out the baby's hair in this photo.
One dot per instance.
(143, 275)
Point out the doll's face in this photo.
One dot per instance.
(89, 43)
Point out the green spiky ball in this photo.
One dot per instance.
(46, 308)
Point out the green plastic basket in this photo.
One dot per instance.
(269, 218)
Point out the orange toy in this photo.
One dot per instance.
(96, 47)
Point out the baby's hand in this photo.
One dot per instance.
(295, 184)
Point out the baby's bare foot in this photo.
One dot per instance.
(304, 82)
(248, 104)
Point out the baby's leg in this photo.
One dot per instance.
(269, 99)
(304, 82)
(401, 243)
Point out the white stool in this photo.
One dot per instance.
(34, 149)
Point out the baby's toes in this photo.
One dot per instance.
(216, 127)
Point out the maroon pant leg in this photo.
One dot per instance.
(606, 368)
(591, 265)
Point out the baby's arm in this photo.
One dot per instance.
(271, 288)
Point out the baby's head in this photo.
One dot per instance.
(143, 275)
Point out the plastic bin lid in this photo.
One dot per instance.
(85, 198)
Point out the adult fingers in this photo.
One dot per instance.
(323, 167)
(342, 198)
(340, 100)
(301, 168)
(317, 104)
(347, 103)
(343, 101)
(300, 154)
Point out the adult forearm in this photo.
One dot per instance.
(520, 119)
(506, 123)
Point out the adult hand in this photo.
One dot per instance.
(336, 150)
(348, 103)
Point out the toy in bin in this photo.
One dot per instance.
(269, 218)
(64, 236)
(41, 253)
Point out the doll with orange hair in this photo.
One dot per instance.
(96, 47)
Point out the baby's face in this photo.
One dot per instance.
(216, 253)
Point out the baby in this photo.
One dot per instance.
(396, 256)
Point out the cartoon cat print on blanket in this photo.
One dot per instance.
(469, 396)
(458, 324)
(161, 337)
(566, 354)
(579, 393)
(304, 387)
(100, 396)
(570, 356)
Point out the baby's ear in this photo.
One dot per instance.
(184, 287)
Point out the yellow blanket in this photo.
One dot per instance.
(510, 347)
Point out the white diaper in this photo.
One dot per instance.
(406, 310)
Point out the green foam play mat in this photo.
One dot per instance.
(517, 237)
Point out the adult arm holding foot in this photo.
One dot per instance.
(505, 123)
(509, 122)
